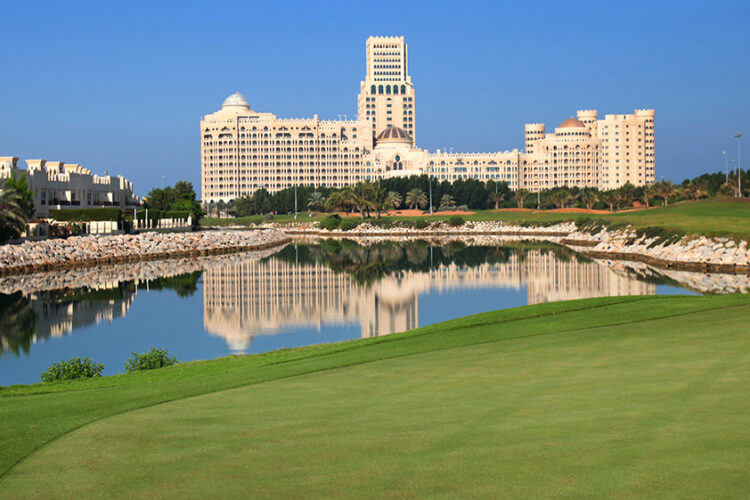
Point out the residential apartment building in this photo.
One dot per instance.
(243, 150)
(58, 185)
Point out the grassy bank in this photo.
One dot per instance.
(621, 396)
(727, 217)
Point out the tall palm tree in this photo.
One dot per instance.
(696, 190)
(316, 200)
(446, 202)
(521, 195)
(395, 199)
(337, 201)
(382, 200)
(589, 197)
(497, 199)
(664, 190)
(416, 198)
(610, 198)
(360, 197)
(12, 216)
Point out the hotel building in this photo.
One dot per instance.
(58, 185)
(243, 150)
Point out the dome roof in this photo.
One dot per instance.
(572, 122)
(393, 134)
(236, 99)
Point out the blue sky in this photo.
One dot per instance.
(122, 86)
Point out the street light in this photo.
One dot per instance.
(429, 181)
(739, 167)
(726, 164)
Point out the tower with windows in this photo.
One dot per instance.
(386, 97)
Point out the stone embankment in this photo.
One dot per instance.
(79, 251)
(703, 254)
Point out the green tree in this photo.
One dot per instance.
(589, 197)
(664, 190)
(13, 218)
(416, 198)
(360, 196)
(20, 184)
(447, 202)
(497, 199)
(316, 200)
(520, 195)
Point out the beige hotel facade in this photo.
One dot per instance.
(243, 150)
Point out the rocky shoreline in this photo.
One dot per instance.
(701, 254)
(81, 251)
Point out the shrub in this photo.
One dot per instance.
(330, 223)
(72, 369)
(348, 224)
(85, 214)
(456, 220)
(155, 358)
(268, 217)
(420, 224)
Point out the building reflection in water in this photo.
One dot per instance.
(252, 298)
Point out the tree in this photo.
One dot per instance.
(696, 190)
(447, 202)
(360, 197)
(520, 195)
(416, 198)
(589, 197)
(664, 190)
(610, 198)
(316, 200)
(395, 199)
(382, 200)
(497, 199)
(20, 184)
(13, 218)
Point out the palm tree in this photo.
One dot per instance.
(337, 201)
(446, 202)
(696, 190)
(12, 216)
(521, 195)
(610, 198)
(382, 200)
(360, 196)
(664, 190)
(589, 197)
(648, 193)
(316, 200)
(416, 198)
(395, 199)
(497, 199)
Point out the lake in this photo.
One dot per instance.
(300, 294)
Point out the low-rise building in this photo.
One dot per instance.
(58, 185)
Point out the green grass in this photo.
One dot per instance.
(612, 397)
(716, 217)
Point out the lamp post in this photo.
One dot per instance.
(739, 167)
(726, 165)
(429, 182)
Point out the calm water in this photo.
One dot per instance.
(297, 295)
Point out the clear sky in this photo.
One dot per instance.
(122, 86)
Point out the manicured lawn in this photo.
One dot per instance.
(725, 217)
(616, 397)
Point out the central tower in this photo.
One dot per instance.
(386, 97)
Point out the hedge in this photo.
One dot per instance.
(86, 214)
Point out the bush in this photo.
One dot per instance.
(330, 223)
(456, 220)
(155, 358)
(348, 224)
(268, 217)
(85, 214)
(72, 369)
(420, 224)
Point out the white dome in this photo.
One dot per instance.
(236, 99)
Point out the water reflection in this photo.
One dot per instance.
(379, 286)
(366, 290)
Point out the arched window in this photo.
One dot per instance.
(372, 89)
(403, 89)
(380, 89)
(387, 89)
(395, 89)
